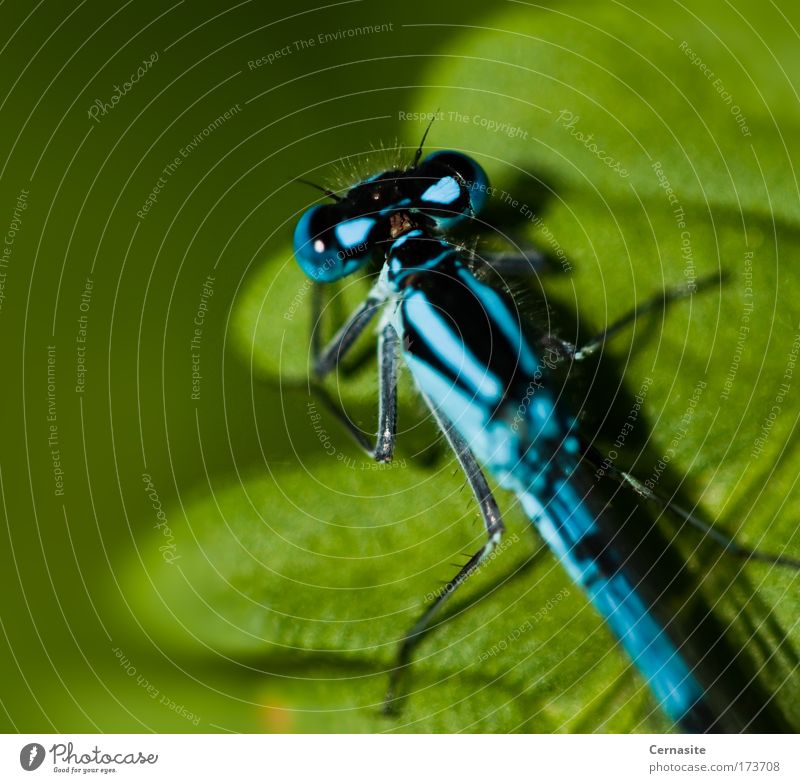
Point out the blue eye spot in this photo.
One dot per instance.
(354, 232)
(571, 444)
(445, 191)
(319, 251)
(470, 171)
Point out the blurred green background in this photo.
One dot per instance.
(204, 554)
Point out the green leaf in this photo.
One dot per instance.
(306, 578)
(310, 576)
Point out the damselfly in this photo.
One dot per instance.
(487, 383)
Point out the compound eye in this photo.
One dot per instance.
(315, 244)
(329, 247)
(468, 171)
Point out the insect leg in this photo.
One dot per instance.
(383, 448)
(663, 299)
(728, 544)
(567, 350)
(493, 523)
(328, 358)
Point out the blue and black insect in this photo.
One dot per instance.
(484, 378)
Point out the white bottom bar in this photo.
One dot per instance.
(399, 759)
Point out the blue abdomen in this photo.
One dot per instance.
(610, 544)
(569, 526)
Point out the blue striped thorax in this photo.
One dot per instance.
(332, 241)
(467, 349)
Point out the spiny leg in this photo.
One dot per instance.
(354, 364)
(493, 523)
(728, 544)
(383, 448)
(567, 350)
(327, 359)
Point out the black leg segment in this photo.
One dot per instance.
(494, 530)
